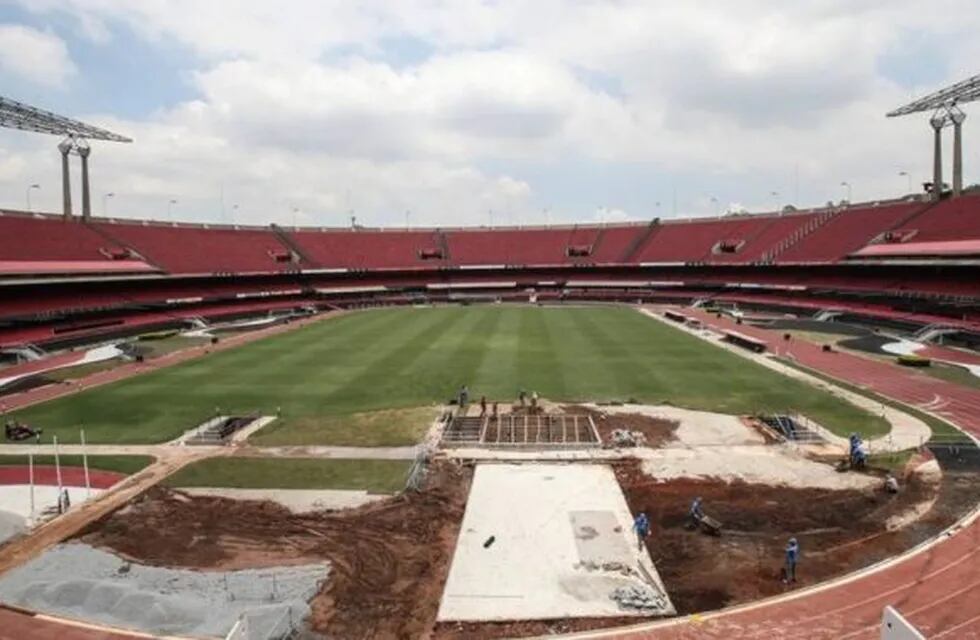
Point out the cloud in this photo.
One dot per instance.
(451, 109)
(40, 57)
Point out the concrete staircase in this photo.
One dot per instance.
(798, 235)
(640, 241)
(298, 254)
(443, 240)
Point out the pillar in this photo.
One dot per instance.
(958, 119)
(84, 151)
(65, 149)
(937, 123)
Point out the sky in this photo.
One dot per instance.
(469, 112)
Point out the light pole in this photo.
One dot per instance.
(295, 211)
(170, 209)
(714, 201)
(234, 209)
(909, 176)
(775, 199)
(105, 203)
(847, 185)
(408, 216)
(28, 194)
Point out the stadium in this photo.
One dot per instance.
(738, 426)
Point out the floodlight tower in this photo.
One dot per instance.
(945, 105)
(65, 147)
(17, 115)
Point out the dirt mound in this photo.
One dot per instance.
(656, 431)
(389, 559)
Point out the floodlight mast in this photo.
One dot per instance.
(946, 111)
(17, 115)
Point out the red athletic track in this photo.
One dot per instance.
(60, 360)
(48, 475)
(960, 404)
(937, 590)
(950, 355)
(15, 625)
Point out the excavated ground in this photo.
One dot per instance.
(656, 431)
(389, 559)
(839, 532)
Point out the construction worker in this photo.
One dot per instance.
(891, 483)
(857, 454)
(483, 406)
(641, 525)
(522, 396)
(695, 513)
(792, 556)
(534, 401)
(464, 396)
(494, 415)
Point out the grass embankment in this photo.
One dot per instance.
(389, 427)
(954, 374)
(322, 374)
(377, 476)
(120, 464)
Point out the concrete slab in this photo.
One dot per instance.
(546, 541)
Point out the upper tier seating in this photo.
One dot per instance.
(765, 238)
(957, 219)
(511, 247)
(47, 245)
(195, 249)
(364, 249)
(847, 231)
(696, 240)
(30, 238)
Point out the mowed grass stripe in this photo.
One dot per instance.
(598, 349)
(382, 381)
(401, 358)
(498, 371)
(538, 363)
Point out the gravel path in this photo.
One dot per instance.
(79, 581)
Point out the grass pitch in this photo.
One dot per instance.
(399, 358)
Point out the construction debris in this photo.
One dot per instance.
(620, 438)
(639, 598)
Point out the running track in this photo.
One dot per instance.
(937, 590)
(960, 404)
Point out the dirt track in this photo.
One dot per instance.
(389, 559)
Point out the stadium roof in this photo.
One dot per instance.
(965, 91)
(17, 115)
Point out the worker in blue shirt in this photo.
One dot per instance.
(792, 556)
(641, 525)
(695, 513)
